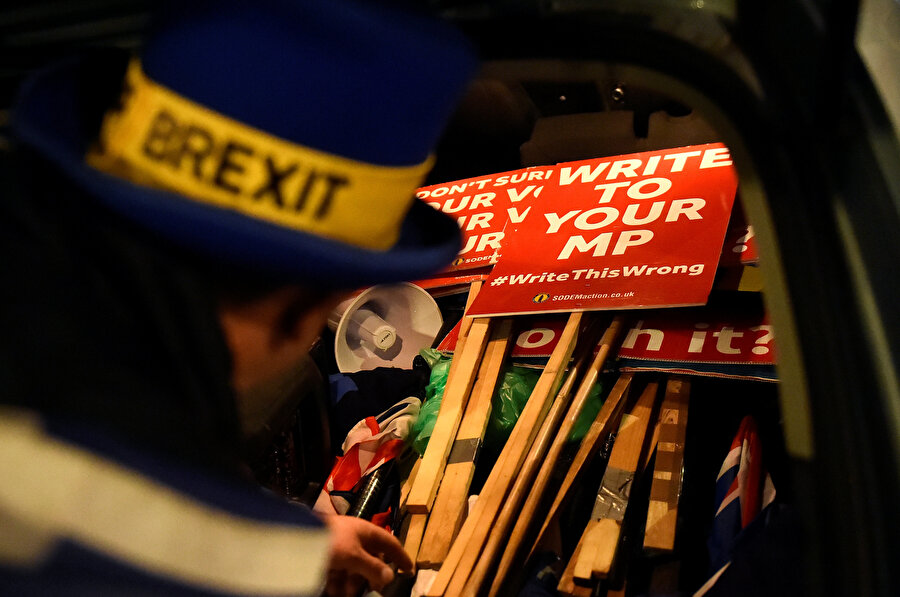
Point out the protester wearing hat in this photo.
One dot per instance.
(173, 242)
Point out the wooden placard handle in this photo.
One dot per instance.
(465, 550)
(604, 423)
(450, 503)
(532, 492)
(600, 540)
(665, 490)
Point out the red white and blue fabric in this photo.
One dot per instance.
(371, 443)
(743, 489)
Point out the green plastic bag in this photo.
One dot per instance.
(434, 391)
(513, 390)
(510, 397)
(513, 393)
(589, 412)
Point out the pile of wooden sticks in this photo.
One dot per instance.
(484, 552)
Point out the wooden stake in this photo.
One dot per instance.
(567, 585)
(406, 485)
(604, 423)
(450, 504)
(411, 531)
(600, 539)
(469, 349)
(651, 446)
(466, 322)
(539, 457)
(662, 513)
(518, 453)
(467, 547)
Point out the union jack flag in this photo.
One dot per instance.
(373, 442)
(743, 489)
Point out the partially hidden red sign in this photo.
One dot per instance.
(731, 339)
(676, 337)
(536, 336)
(454, 279)
(740, 243)
(482, 207)
(633, 231)
(721, 342)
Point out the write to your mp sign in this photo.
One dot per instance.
(633, 231)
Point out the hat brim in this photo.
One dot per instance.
(48, 117)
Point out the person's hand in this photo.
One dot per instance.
(359, 550)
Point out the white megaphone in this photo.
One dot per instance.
(384, 326)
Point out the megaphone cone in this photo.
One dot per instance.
(384, 326)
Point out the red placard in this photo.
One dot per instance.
(536, 336)
(482, 207)
(700, 338)
(634, 231)
(454, 279)
(740, 244)
(729, 339)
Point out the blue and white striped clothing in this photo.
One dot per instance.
(105, 519)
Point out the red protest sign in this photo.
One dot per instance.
(536, 336)
(482, 207)
(700, 339)
(725, 341)
(539, 336)
(453, 279)
(634, 231)
(740, 244)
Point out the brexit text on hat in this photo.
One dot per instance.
(238, 168)
(160, 139)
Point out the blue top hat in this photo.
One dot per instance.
(284, 136)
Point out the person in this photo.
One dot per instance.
(176, 226)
